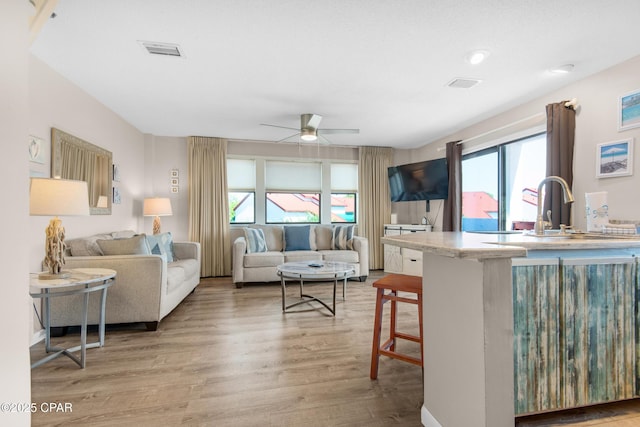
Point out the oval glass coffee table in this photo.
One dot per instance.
(314, 271)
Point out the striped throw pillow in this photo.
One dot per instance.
(255, 240)
(342, 237)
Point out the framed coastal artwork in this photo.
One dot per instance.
(614, 158)
(629, 110)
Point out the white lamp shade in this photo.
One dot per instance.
(157, 206)
(58, 197)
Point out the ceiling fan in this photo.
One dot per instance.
(309, 129)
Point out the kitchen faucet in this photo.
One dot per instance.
(566, 192)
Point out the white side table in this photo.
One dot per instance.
(82, 281)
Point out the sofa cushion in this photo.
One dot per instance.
(87, 246)
(191, 267)
(176, 276)
(342, 237)
(340, 256)
(255, 240)
(263, 259)
(124, 234)
(323, 234)
(161, 244)
(274, 235)
(297, 238)
(136, 245)
(296, 256)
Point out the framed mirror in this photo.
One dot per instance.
(74, 158)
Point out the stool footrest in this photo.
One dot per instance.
(402, 357)
(407, 337)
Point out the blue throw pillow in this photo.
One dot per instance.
(161, 244)
(296, 238)
(255, 240)
(342, 237)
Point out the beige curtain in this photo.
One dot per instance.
(80, 164)
(208, 203)
(374, 199)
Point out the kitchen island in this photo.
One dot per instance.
(517, 324)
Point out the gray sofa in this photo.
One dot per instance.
(147, 287)
(261, 266)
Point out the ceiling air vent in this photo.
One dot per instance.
(167, 49)
(463, 83)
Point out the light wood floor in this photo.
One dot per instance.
(230, 357)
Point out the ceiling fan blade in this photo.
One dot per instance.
(276, 126)
(334, 131)
(323, 139)
(290, 136)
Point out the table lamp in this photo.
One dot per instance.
(57, 197)
(157, 206)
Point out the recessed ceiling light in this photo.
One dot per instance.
(563, 69)
(477, 56)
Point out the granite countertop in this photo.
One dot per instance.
(493, 245)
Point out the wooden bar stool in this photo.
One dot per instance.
(395, 283)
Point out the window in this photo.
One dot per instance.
(480, 190)
(242, 207)
(343, 207)
(293, 191)
(293, 207)
(265, 190)
(241, 183)
(344, 186)
(499, 184)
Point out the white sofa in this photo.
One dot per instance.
(261, 266)
(147, 287)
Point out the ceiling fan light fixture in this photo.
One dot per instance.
(308, 135)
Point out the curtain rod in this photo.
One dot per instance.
(496, 130)
(572, 103)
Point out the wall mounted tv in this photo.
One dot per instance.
(427, 180)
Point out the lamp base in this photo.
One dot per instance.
(156, 225)
(45, 275)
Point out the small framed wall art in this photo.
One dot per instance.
(116, 196)
(614, 158)
(629, 110)
(36, 150)
(174, 180)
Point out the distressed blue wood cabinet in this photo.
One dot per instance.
(576, 328)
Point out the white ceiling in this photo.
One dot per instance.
(378, 65)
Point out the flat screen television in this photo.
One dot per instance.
(428, 180)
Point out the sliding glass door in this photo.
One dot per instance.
(499, 185)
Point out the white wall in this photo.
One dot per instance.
(15, 303)
(163, 154)
(56, 102)
(596, 122)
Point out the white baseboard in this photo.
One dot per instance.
(427, 419)
(37, 337)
